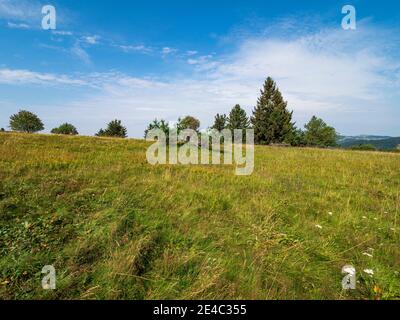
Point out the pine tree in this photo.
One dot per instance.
(271, 120)
(219, 122)
(162, 125)
(238, 119)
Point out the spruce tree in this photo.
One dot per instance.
(238, 119)
(272, 122)
(220, 122)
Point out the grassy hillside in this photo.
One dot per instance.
(115, 227)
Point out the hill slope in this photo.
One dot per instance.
(380, 142)
(116, 227)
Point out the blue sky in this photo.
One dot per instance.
(137, 61)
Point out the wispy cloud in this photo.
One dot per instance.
(135, 48)
(190, 53)
(62, 33)
(22, 10)
(80, 53)
(168, 50)
(91, 39)
(18, 25)
(23, 77)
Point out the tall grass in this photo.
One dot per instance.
(115, 227)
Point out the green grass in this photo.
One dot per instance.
(116, 227)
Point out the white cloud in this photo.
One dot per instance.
(202, 60)
(22, 10)
(62, 33)
(167, 50)
(91, 39)
(8, 76)
(191, 53)
(18, 25)
(137, 48)
(80, 53)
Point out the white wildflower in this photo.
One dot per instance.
(349, 269)
(370, 272)
(318, 226)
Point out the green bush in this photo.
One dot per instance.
(114, 129)
(65, 128)
(364, 147)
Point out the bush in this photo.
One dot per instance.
(364, 147)
(65, 128)
(114, 129)
(2, 130)
(25, 121)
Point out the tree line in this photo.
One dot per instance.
(271, 121)
(28, 122)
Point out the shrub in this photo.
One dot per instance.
(65, 128)
(25, 121)
(114, 129)
(364, 147)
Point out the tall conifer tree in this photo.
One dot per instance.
(219, 122)
(272, 122)
(238, 118)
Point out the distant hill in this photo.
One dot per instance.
(380, 142)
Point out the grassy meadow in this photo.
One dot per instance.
(115, 227)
